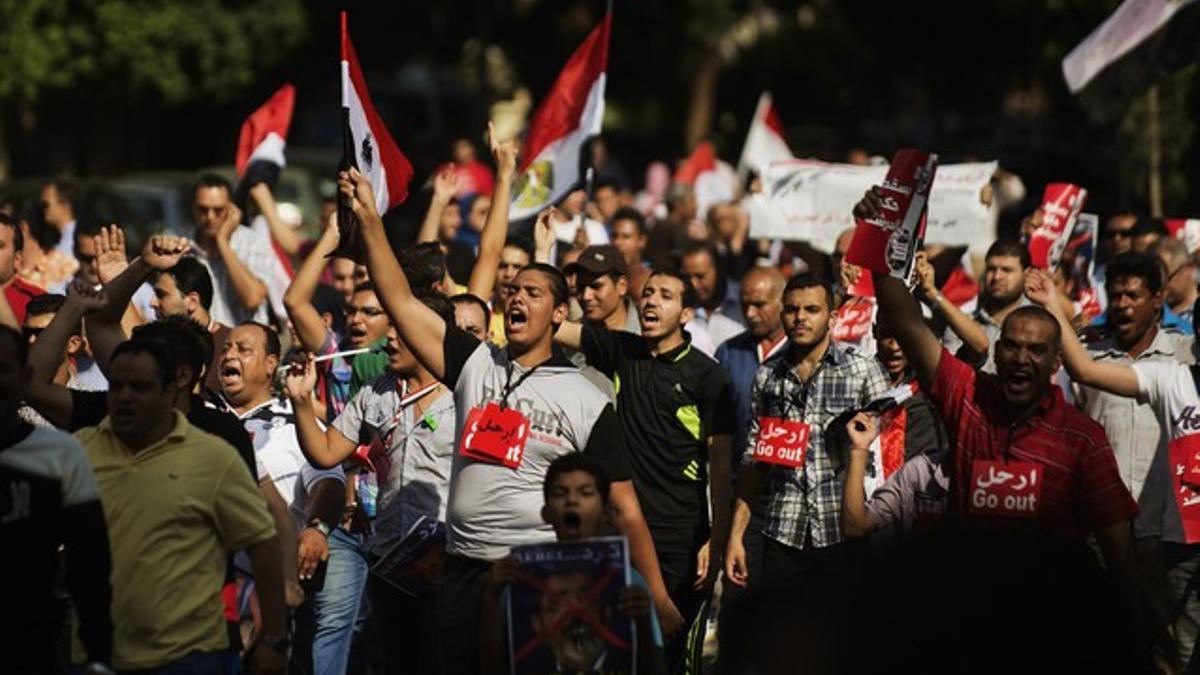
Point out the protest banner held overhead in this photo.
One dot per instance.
(888, 244)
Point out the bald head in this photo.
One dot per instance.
(762, 302)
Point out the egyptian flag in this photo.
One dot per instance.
(260, 159)
(1140, 44)
(565, 120)
(765, 143)
(712, 181)
(367, 146)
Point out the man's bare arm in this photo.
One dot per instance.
(495, 228)
(297, 300)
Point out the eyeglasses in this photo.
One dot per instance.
(1120, 234)
(215, 210)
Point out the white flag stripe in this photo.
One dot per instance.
(360, 130)
(270, 149)
(763, 144)
(563, 154)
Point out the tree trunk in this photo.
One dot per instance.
(1154, 141)
(703, 99)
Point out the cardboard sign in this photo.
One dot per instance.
(1061, 204)
(1005, 489)
(495, 435)
(888, 243)
(781, 442)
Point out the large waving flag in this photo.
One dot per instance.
(264, 133)
(569, 115)
(765, 143)
(367, 146)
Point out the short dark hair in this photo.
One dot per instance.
(471, 299)
(367, 286)
(1135, 264)
(187, 342)
(696, 247)
(327, 300)
(274, 348)
(156, 349)
(21, 342)
(211, 180)
(558, 283)
(632, 215)
(423, 264)
(438, 302)
(191, 276)
(1009, 248)
(18, 235)
(810, 280)
(520, 243)
(65, 190)
(1038, 313)
(690, 298)
(46, 303)
(570, 463)
(86, 229)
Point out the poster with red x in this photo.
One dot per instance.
(563, 614)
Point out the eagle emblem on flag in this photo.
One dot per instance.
(368, 153)
(535, 185)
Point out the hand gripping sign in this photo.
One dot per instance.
(1060, 207)
(888, 244)
(1184, 454)
(495, 435)
(1005, 489)
(781, 441)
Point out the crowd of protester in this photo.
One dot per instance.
(196, 477)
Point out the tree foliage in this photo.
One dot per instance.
(174, 50)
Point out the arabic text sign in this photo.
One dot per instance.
(782, 442)
(814, 201)
(495, 435)
(1184, 454)
(1061, 204)
(888, 243)
(1005, 489)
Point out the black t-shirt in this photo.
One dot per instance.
(88, 408)
(669, 406)
(460, 259)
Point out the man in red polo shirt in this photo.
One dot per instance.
(1030, 478)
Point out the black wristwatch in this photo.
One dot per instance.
(280, 645)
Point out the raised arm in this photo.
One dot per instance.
(298, 298)
(53, 401)
(543, 236)
(963, 326)
(855, 520)
(495, 228)
(287, 237)
(420, 327)
(1114, 378)
(111, 260)
(445, 186)
(569, 335)
(250, 290)
(323, 449)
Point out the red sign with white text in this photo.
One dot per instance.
(1005, 489)
(782, 442)
(888, 244)
(495, 435)
(1061, 204)
(853, 320)
(1184, 454)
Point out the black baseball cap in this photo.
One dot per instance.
(601, 259)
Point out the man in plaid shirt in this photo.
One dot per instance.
(794, 400)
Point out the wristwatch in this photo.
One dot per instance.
(320, 526)
(279, 644)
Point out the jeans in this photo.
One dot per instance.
(335, 606)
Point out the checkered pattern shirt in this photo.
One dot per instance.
(804, 505)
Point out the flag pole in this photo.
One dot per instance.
(348, 244)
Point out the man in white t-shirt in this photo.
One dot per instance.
(1170, 389)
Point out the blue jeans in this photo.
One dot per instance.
(336, 604)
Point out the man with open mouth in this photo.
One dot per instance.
(518, 408)
(676, 409)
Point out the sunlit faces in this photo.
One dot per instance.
(209, 208)
(628, 240)
(346, 276)
(1120, 233)
(1132, 308)
(512, 260)
(400, 359)
(470, 317)
(1026, 358)
(574, 506)
(661, 306)
(599, 295)
(1003, 279)
(138, 398)
(701, 270)
(762, 300)
(246, 368)
(531, 311)
(366, 321)
(806, 315)
(889, 354)
(167, 300)
(55, 210)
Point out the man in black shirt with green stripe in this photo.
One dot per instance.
(676, 408)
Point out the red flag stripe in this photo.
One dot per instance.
(273, 116)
